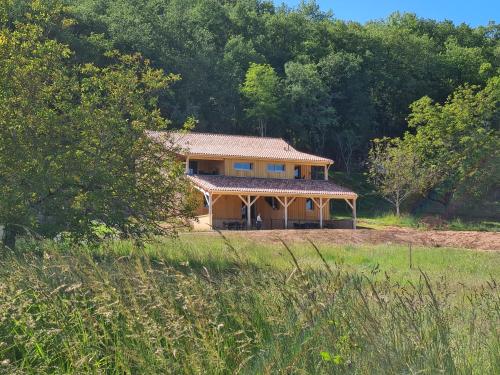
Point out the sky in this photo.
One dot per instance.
(472, 12)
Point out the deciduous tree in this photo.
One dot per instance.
(396, 171)
(73, 148)
(261, 90)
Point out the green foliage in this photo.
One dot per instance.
(460, 138)
(310, 111)
(261, 88)
(73, 148)
(397, 172)
(369, 74)
(77, 311)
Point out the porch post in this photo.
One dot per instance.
(326, 172)
(187, 165)
(354, 214)
(210, 204)
(286, 212)
(321, 213)
(249, 212)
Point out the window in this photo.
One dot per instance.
(309, 204)
(297, 172)
(243, 166)
(193, 167)
(276, 168)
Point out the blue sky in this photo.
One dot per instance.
(472, 12)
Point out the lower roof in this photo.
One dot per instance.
(272, 186)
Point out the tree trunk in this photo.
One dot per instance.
(397, 209)
(261, 127)
(9, 237)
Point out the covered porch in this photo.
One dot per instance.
(235, 202)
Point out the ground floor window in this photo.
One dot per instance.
(309, 204)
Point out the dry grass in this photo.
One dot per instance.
(80, 310)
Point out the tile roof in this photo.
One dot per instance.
(221, 184)
(222, 145)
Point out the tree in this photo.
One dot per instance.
(309, 113)
(261, 90)
(396, 171)
(461, 138)
(73, 149)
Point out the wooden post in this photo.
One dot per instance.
(321, 213)
(411, 262)
(286, 212)
(285, 203)
(354, 213)
(187, 165)
(249, 212)
(326, 172)
(210, 210)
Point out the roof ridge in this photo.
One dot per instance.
(228, 135)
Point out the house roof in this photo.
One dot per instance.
(254, 185)
(237, 146)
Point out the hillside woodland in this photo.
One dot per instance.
(81, 80)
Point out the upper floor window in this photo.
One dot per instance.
(243, 166)
(276, 168)
(297, 172)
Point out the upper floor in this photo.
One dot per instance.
(255, 168)
(245, 156)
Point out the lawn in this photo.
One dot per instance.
(202, 304)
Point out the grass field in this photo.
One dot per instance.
(203, 304)
(455, 265)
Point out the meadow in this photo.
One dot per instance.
(202, 304)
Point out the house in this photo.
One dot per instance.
(243, 176)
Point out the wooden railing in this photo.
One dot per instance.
(241, 224)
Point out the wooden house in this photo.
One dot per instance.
(241, 177)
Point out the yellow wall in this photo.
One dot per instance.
(227, 207)
(226, 167)
(260, 169)
(230, 206)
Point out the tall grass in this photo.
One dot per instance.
(79, 310)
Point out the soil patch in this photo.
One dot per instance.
(392, 235)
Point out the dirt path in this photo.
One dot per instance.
(430, 238)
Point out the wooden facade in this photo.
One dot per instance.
(244, 207)
(240, 178)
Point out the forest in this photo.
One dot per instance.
(425, 88)
(329, 85)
